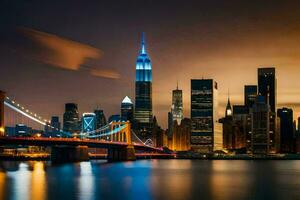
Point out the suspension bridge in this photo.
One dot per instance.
(117, 137)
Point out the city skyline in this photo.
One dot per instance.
(194, 50)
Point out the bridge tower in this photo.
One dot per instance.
(2, 126)
(122, 153)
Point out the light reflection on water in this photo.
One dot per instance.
(86, 181)
(151, 179)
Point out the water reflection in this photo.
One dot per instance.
(230, 180)
(38, 181)
(86, 182)
(151, 179)
(20, 181)
(171, 179)
(2, 184)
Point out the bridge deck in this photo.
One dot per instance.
(33, 141)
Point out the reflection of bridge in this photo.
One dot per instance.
(116, 137)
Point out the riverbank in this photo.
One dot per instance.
(187, 156)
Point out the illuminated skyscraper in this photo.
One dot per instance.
(127, 109)
(71, 118)
(206, 133)
(143, 92)
(177, 108)
(88, 122)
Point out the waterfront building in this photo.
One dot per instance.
(71, 118)
(250, 94)
(206, 132)
(227, 123)
(100, 118)
(287, 132)
(157, 134)
(267, 88)
(88, 122)
(143, 93)
(236, 125)
(22, 130)
(10, 131)
(127, 109)
(242, 131)
(260, 127)
(180, 138)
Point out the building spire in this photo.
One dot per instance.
(228, 111)
(177, 85)
(143, 48)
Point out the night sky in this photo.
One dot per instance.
(85, 52)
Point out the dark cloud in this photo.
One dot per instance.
(66, 54)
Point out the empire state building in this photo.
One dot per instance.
(143, 92)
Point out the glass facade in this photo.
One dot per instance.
(267, 88)
(204, 115)
(71, 118)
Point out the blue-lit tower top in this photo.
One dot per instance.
(143, 64)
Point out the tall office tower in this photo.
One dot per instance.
(71, 118)
(2, 98)
(100, 118)
(267, 86)
(143, 92)
(250, 94)
(267, 89)
(88, 122)
(177, 106)
(206, 134)
(127, 109)
(260, 127)
(287, 135)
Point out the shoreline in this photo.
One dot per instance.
(141, 157)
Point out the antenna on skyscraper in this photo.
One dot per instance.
(268, 95)
(143, 51)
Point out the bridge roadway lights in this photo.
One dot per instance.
(63, 154)
(121, 154)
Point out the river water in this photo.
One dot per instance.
(151, 179)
